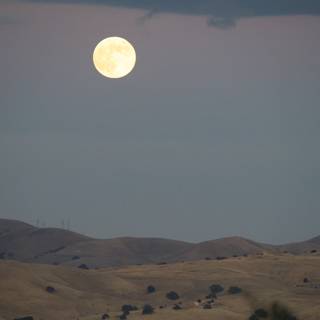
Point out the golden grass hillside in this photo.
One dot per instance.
(87, 294)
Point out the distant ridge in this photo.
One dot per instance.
(23, 242)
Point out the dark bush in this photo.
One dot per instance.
(305, 280)
(24, 318)
(75, 258)
(280, 312)
(151, 289)
(105, 316)
(253, 317)
(172, 295)
(221, 258)
(50, 289)
(211, 296)
(147, 309)
(123, 316)
(207, 258)
(313, 251)
(126, 308)
(216, 288)
(83, 266)
(261, 313)
(234, 290)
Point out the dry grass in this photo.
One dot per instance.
(86, 295)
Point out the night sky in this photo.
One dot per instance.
(214, 133)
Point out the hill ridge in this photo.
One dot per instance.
(23, 242)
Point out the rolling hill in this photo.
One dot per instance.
(88, 294)
(23, 242)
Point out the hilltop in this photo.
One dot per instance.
(23, 242)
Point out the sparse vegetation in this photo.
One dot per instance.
(147, 309)
(281, 312)
(221, 258)
(50, 289)
(126, 308)
(177, 307)
(261, 313)
(172, 295)
(216, 288)
(234, 290)
(83, 266)
(151, 289)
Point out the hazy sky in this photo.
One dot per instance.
(215, 132)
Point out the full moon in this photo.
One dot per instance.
(114, 57)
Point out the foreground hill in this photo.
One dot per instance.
(87, 294)
(23, 242)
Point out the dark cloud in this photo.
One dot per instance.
(220, 13)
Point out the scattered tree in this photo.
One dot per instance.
(216, 288)
(234, 290)
(261, 313)
(147, 309)
(172, 295)
(50, 289)
(151, 289)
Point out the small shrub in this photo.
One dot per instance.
(261, 313)
(253, 317)
(105, 316)
(83, 266)
(234, 290)
(281, 312)
(75, 258)
(176, 307)
(172, 295)
(147, 309)
(151, 289)
(305, 280)
(126, 308)
(50, 289)
(216, 288)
